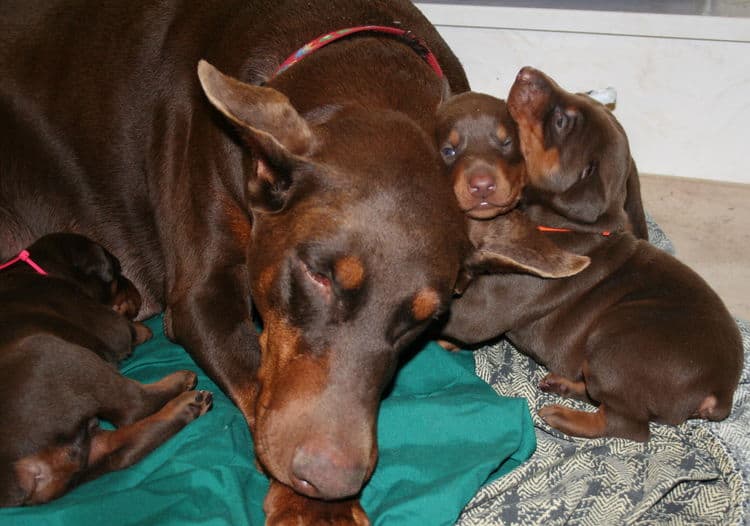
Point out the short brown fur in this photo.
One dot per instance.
(637, 332)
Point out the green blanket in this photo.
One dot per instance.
(442, 433)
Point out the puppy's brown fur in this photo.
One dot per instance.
(637, 333)
(60, 335)
(478, 142)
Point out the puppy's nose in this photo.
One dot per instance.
(532, 78)
(527, 74)
(327, 472)
(482, 185)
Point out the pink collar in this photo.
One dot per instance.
(24, 256)
(326, 39)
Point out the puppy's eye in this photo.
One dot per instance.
(561, 120)
(564, 120)
(448, 153)
(507, 144)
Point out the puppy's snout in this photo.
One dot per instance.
(482, 185)
(530, 94)
(529, 75)
(525, 74)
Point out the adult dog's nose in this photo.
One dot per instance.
(327, 471)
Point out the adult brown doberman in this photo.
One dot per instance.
(314, 193)
(638, 333)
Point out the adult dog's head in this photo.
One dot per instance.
(356, 246)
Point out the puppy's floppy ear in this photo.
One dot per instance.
(587, 200)
(270, 125)
(511, 243)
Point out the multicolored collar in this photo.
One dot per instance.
(419, 46)
(24, 256)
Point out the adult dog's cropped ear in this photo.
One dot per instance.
(270, 125)
(511, 243)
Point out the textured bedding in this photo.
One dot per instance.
(696, 473)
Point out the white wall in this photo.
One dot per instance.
(683, 82)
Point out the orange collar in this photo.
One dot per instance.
(542, 228)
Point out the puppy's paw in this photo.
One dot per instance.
(174, 384)
(448, 346)
(576, 423)
(554, 383)
(190, 405)
(141, 333)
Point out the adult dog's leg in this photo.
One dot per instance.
(284, 507)
(213, 323)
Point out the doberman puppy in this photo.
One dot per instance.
(61, 334)
(478, 141)
(637, 333)
(312, 195)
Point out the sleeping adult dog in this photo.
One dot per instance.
(318, 194)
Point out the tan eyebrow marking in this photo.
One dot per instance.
(349, 272)
(424, 304)
(501, 132)
(454, 138)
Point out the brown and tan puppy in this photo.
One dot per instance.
(637, 333)
(60, 335)
(478, 142)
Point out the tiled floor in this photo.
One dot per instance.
(709, 224)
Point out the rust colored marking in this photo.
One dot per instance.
(501, 132)
(424, 304)
(454, 138)
(263, 172)
(574, 422)
(287, 371)
(238, 222)
(349, 272)
(540, 163)
(264, 286)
